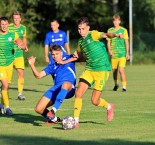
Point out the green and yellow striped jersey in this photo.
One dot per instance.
(118, 45)
(21, 31)
(7, 42)
(95, 51)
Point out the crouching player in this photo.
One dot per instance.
(64, 83)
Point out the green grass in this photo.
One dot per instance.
(134, 122)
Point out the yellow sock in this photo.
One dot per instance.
(20, 85)
(103, 103)
(77, 107)
(124, 84)
(5, 97)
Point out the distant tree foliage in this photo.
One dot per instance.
(37, 14)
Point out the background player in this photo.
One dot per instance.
(18, 63)
(119, 51)
(7, 41)
(56, 36)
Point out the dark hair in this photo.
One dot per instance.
(54, 20)
(83, 20)
(54, 47)
(4, 19)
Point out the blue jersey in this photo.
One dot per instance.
(62, 73)
(59, 38)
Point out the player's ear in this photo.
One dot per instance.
(88, 27)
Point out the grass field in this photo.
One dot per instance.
(134, 122)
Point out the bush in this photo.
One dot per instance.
(144, 57)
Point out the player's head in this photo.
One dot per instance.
(116, 20)
(4, 23)
(55, 25)
(83, 26)
(16, 16)
(56, 52)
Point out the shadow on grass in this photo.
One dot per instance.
(25, 90)
(39, 120)
(35, 140)
(27, 118)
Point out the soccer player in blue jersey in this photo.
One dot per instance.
(56, 36)
(64, 83)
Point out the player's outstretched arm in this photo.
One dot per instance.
(36, 73)
(20, 44)
(112, 35)
(74, 58)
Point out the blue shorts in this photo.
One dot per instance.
(54, 91)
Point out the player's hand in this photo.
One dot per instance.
(75, 55)
(120, 35)
(127, 57)
(26, 49)
(61, 62)
(110, 53)
(31, 60)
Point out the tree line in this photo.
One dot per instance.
(37, 14)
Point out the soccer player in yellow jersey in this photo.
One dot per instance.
(97, 68)
(18, 63)
(7, 41)
(119, 51)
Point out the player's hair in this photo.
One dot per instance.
(54, 47)
(54, 20)
(83, 20)
(4, 18)
(116, 17)
(16, 13)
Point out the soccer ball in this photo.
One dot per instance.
(68, 123)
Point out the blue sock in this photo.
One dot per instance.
(60, 97)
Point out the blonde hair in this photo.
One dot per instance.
(16, 13)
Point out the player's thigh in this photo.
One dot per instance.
(52, 93)
(114, 63)
(100, 79)
(87, 76)
(122, 62)
(19, 63)
(6, 72)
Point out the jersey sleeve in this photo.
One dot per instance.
(16, 36)
(126, 37)
(65, 38)
(49, 69)
(79, 44)
(96, 35)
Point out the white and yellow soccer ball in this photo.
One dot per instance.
(68, 123)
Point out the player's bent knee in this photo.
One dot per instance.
(38, 110)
